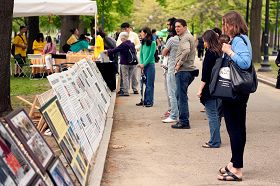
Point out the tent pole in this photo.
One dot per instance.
(95, 29)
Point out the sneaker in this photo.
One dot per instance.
(15, 75)
(167, 114)
(148, 105)
(179, 125)
(140, 104)
(169, 120)
(135, 92)
(120, 92)
(124, 94)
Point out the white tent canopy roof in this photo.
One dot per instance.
(25, 8)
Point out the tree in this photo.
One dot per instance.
(6, 14)
(67, 23)
(255, 29)
(33, 30)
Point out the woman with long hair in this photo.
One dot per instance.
(147, 65)
(49, 49)
(240, 52)
(213, 52)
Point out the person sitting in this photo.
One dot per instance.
(128, 61)
(82, 44)
(49, 49)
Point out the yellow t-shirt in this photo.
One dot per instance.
(72, 39)
(39, 47)
(99, 46)
(19, 41)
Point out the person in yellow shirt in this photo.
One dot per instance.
(74, 37)
(99, 43)
(20, 44)
(39, 44)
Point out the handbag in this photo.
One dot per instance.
(221, 85)
(243, 81)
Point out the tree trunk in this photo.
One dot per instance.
(6, 14)
(271, 38)
(67, 23)
(33, 30)
(255, 31)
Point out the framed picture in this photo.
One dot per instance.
(15, 168)
(59, 174)
(39, 182)
(31, 139)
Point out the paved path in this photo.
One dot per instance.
(144, 151)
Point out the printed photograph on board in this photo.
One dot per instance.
(14, 166)
(31, 139)
(59, 174)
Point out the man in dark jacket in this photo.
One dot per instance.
(128, 61)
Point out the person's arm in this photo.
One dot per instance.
(167, 48)
(185, 47)
(137, 42)
(141, 55)
(151, 56)
(206, 72)
(116, 50)
(239, 53)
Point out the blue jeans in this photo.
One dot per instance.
(183, 80)
(171, 87)
(211, 107)
(150, 72)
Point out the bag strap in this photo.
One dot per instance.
(21, 38)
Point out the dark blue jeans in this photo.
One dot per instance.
(183, 80)
(149, 71)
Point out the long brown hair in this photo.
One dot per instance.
(212, 40)
(234, 19)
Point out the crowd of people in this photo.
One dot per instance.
(229, 43)
(139, 52)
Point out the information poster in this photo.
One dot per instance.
(66, 139)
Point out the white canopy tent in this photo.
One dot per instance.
(26, 8)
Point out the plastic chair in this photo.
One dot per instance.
(37, 61)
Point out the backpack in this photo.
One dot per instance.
(132, 57)
(109, 43)
(13, 48)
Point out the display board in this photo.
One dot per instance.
(66, 139)
(15, 168)
(31, 139)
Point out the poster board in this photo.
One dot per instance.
(66, 139)
(15, 168)
(36, 146)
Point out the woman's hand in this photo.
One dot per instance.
(141, 66)
(226, 48)
(199, 93)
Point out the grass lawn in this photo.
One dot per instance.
(27, 88)
(274, 68)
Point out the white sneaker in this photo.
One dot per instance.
(169, 120)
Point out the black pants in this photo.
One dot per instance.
(278, 80)
(235, 118)
(200, 52)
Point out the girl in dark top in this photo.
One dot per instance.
(213, 52)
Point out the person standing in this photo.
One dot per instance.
(170, 50)
(213, 52)
(147, 65)
(277, 62)
(74, 36)
(39, 44)
(133, 37)
(49, 49)
(20, 44)
(127, 61)
(171, 32)
(185, 72)
(240, 52)
(200, 48)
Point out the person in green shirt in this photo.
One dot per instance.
(81, 44)
(147, 65)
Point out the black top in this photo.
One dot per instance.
(208, 64)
